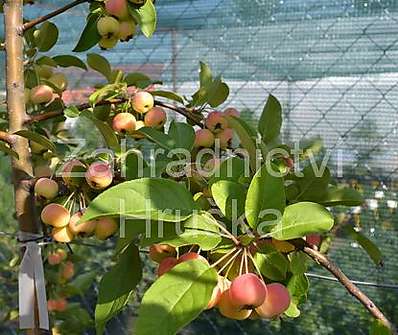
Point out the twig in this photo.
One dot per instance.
(6, 137)
(183, 111)
(44, 18)
(324, 261)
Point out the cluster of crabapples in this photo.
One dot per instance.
(145, 115)
(216, 131)
(245, 295)
(60, 216)
(65, 270)
(117, 24)
(51, 86)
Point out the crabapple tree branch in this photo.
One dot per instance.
(324, 261)
(182, 111)
(6, 137)
(48, 16)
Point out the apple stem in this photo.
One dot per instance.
(241, 266)
(232, 237)
(232, 264)
(69, 199)
(255, 265)
(230, 261)
(224, 257)
(246, 262)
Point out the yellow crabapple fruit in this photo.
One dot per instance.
(68, 270)
(137, 134)
(204, 138)
(276, 302)
(46, 188)
(166, 265)
(108, 27)
(62, 253)
(54, 258)
(124, 123)
(63, 235)
(86, 227)
(223, 284)
(142, 102)
(216, 122)
(127, 30)
(224, 138)
(247, 290)
(61, 305)
(230, 111)
(55, 215)
(155, 118)
(105, 227)
(99, 175)
(118, 8)
(230, 310)
(158, 252)
(106, 43)
(41, 94)
(69, 169)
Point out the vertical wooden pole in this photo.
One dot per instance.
(22, 167)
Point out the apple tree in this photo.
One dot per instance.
(231, 215)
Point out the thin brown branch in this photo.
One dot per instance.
(8, 138)
(180, 110)
(44, 18)
(324, 261)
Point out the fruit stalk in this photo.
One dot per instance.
(48, 16)
(21, 168)
(329, 265)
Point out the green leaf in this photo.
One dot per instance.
(298, 262)
(270, 122)
(163, 140)
(230, 197)
(266, 197)
(378, 328)
(312, 187)
(82, 283)
(40, 139)
(247, 137)
(46, 36)
(342, 196)
(297, 286)
(168, 95)
(205, 75)
(133, 79)
(116, 286)
(200, 229)
(99, 64)
(273, 265)
(183, 135)
(72, 112)
(176, 298)
(6, 149)
(218, 92)
(45, 60)
(301, 219)
(146, 17)
(145, 198)
(134, 163)
(232, 169)
(69, 60)
(90, 35)
(106, 131)
(370, 248)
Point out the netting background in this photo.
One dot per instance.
(334, 67)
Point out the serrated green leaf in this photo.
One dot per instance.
(144, 198)
(176, 298)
